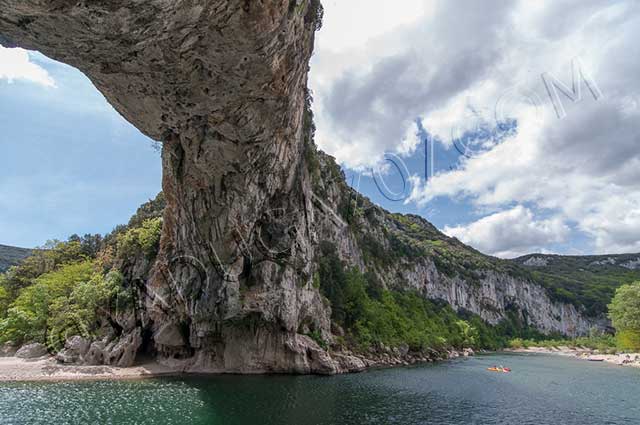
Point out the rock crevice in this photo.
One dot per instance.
(222, 83)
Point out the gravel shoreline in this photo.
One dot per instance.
(47, 369)
(13, 369)
(623, 359)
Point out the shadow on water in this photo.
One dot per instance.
(540, 390)
(379, 396)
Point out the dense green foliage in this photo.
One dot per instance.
(60, 303)
(145, 239)
(624, 312)
(628, 340)
(68, 288)
(44, 260)
(588, 281)
(624, 309)
(372, 315)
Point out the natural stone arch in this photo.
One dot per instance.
(222, 84)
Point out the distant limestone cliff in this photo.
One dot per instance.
(588, 281)
(267, 261)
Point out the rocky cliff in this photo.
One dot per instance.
(407, 252)
(249, 201)
(588, 280)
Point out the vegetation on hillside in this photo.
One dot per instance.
(65, 288)
(588, 281)
(10, 256)
(371, 315)
(61, 303)
(69, 288)
(411, 237)
(145, 239)
(624, 312)
(387, 239)
(452, 257)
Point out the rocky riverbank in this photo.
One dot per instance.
(31, 363)
(587, 354)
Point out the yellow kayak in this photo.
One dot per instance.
(499, 369)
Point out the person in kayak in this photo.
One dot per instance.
(500, 368)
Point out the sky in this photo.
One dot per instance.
(511, 125)
(69, 163)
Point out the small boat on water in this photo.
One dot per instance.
(595, 360)
(499, 369)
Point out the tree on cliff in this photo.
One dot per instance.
(624, 312)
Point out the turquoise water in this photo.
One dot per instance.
(540, 390)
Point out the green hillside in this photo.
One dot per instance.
(10, 256)
(590, 281)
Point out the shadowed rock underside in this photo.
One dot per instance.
(222, 83)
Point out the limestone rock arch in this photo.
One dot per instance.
(222, 84)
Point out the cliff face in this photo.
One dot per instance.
(589, 280)
(222, 84)
(407, 252)
(248, 199)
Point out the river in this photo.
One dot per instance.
(542, 389)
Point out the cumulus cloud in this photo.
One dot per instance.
(511, 233)
(462, 65)
(15, 64)
(367, 99)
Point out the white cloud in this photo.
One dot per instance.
(367, 97)
(15, 64)
(511, 233)
(350, 24)
(459, 57)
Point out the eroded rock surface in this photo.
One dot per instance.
(32, 351)
(222, 83)
(74, 350)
